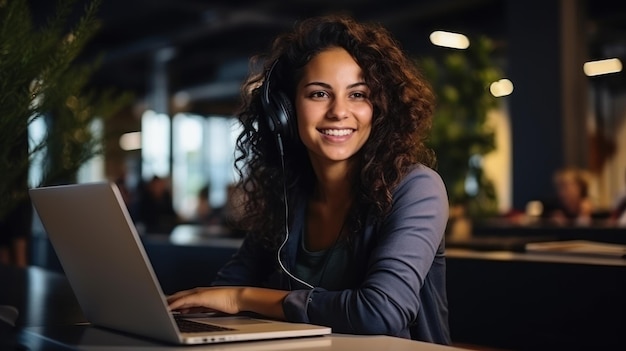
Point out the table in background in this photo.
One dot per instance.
(528, 301)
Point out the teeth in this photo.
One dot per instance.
(337, 132)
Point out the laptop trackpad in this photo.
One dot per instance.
(229, 321)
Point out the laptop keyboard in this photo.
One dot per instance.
(187, 326)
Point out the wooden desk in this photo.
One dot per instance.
(89, 338)
(50, 319)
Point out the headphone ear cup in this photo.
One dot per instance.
(279, 112)
(285, 113)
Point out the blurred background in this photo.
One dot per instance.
(184, 61)
(530, 127)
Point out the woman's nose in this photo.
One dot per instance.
(338, 109)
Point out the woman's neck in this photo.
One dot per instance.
(334, 184)
(328, 206)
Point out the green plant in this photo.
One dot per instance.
(41, 78)
(460, 137)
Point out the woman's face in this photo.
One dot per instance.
(333, 107)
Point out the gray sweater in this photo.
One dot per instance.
(400, 284)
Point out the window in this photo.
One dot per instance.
(203, 154)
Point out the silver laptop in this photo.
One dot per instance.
(105, 262)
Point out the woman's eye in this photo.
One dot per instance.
(359, 95)
(318, 94)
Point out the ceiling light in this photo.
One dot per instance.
(596, 68)
(130, 141)
(449, 40)
(503, 87)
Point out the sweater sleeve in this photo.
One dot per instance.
(405, 245)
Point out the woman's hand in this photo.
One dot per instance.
(231, 300)
(220, 299)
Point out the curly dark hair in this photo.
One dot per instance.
(402, 102)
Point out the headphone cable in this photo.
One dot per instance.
(280, 263)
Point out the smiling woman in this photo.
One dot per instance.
(345, 218)
(333, 107)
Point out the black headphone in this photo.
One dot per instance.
(279, 111)
(280, 120)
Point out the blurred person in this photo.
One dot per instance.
(572, 204)
(205, 213)
(345, 217)
(155, 210)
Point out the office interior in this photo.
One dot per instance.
(184, 61)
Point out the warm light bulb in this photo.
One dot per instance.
(596, 68)
(503, 87)
(449, 40)
(130, 141)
